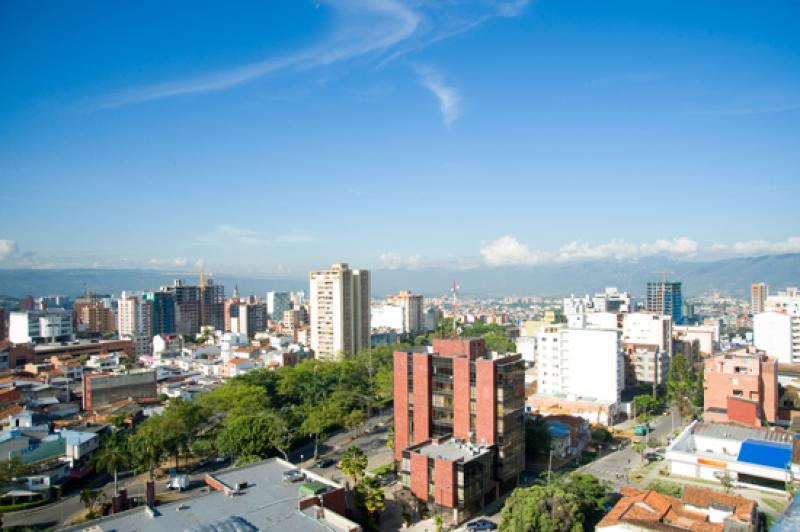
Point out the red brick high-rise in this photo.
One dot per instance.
(458, 423)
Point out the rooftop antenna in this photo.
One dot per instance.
(454, 332)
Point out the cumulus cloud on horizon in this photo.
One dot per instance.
(508, 251)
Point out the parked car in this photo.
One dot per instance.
(293, 475)
(324, 462)
(642, 429)
(653, 457)
(178, 482)
(481, 524)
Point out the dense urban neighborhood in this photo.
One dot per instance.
(603, 411)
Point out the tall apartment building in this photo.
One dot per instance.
(91, 315)
(250, 319)
(162, 312)
(458, 419)
(414, 321)
(666, 297)
(776, 331)
(647, 346)
(758, 296)
(40, 326)
(277, 304)
(231, 308)
(741, 387)
(198, 306)
(134, 322)
(580, 363)
(339, 311)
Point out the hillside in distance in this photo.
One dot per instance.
(728, 276)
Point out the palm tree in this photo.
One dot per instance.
(89, 498)
(113, 457)
(354, 463)
(370, 494)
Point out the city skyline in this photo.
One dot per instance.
(571, 131)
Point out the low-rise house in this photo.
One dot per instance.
(103, 362)
(560, 440)
(699, 509)
(239, 366)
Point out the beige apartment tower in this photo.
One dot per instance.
(758, 296)
(340, 311)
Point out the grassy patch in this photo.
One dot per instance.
(383, 470)
(670, 489)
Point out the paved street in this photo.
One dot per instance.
(615, 466)
(68, 507)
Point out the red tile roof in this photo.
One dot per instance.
(651, 510)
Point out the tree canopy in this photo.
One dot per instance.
(541, 509)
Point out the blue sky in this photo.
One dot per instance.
(269, 138)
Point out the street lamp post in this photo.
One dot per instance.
(549, 465)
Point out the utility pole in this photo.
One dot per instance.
(550, 465)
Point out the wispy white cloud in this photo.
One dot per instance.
(380, 29)
(8, 249)
(362, 27)
(448, 97)
(395, 261)
(508, 251)
(760, 247)
(177, 262)
(296, 237)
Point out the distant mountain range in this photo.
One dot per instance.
(728, 276)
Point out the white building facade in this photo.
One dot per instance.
(580, 363)
(339, 311)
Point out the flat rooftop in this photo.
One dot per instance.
(267, 503)
(453, 450)
(76, 344)
(739, 433)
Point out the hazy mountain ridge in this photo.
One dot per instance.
(729, 276)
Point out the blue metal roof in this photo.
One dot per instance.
(766, 453)
(557, 429)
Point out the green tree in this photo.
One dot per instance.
(113, 457)
(601, 436)
(235, 398)
(681, 385)
(541, 509)
(89, 498)
(354, 463)
(537, 437)
(590, 493)
(183, 420)
(699, 388)
(318, 419)
(645, 404)
(146, 445)
(726, 481)
(369, 495)
(279, 435)
(245, 436)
